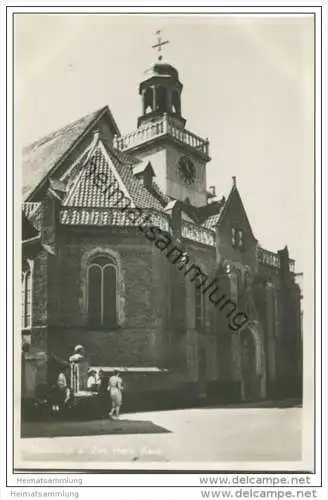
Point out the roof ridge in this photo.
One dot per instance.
(59, 131)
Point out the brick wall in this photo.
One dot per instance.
(39, 304)
(145, 336)
(141, 336)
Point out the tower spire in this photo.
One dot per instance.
(159, 44)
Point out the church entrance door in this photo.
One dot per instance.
(250, 378)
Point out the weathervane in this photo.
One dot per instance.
(159, 44)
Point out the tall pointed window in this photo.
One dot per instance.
(161, 99)
(200, 313)
(241, 238)
(148, 101)
(26, 298)
(237, 238)
(102, 296)
(233, 237)
(176, 106)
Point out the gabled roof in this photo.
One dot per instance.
(85, 192)
(41, 157)
(234, 192)
(212, 221)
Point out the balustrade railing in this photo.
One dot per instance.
(272, 259)
(268, 258)
(161, 127)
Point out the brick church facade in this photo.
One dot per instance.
(121, 240)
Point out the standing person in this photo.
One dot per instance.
(102, 398)
(115, 388)
(102, 382)
(61, 395)
(92, 381)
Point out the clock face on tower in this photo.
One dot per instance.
(186, 169)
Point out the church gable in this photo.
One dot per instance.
(101, 179)
(233, 222)
(97, 184)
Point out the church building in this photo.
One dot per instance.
(127, 252)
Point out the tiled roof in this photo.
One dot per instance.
(29, 207)
(84, 191)
(159, 193)
(212, 220)
(142, 197)
(90, 201)
(197, 233)
(40, 157)
(33, 212)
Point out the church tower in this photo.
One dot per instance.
(178, 157)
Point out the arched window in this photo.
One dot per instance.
(148, 101)
(102, 294)
(233, 237)
(176, 108)
(161, 99)
(26, 299)
(200, 312)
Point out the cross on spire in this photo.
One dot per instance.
(159, 44)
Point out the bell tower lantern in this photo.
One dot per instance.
(160, 91)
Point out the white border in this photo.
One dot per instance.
(176, 479)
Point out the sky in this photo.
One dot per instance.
(248, 87)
